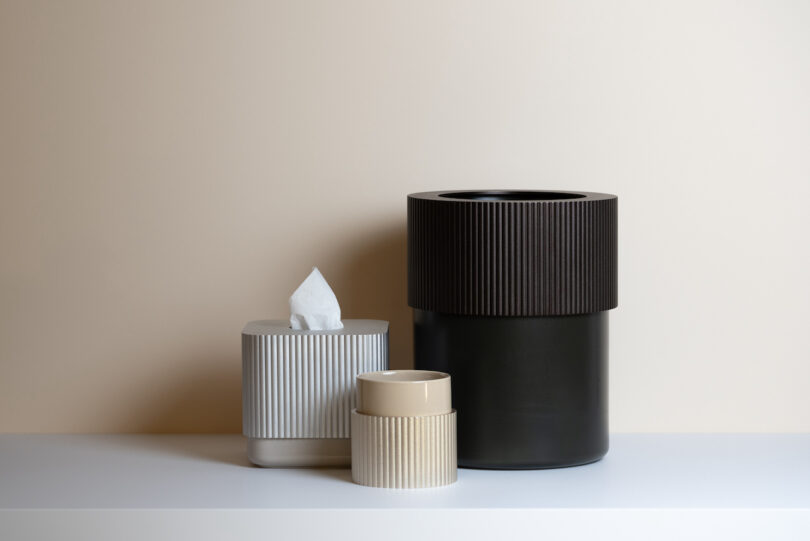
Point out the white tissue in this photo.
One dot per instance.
(313, 306)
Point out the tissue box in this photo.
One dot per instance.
(298, 389)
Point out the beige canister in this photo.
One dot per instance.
(404, 430)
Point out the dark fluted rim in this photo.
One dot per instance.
(529, 253)
(453, 195)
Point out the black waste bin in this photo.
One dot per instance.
(510, 291)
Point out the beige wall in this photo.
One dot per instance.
(171, 170)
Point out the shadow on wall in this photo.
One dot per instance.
(371, 283)
(369, 277)
(208, 400)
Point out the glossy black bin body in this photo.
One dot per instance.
(530, 392)
(510, 292)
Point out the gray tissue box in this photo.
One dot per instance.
(298, 389)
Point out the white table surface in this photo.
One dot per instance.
(202, 487)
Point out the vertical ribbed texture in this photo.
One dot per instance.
(512, 257)
(404, 452)
(302, 385)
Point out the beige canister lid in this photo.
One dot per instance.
(403, 393)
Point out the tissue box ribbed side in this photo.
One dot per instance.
(302, 385)
(404, 452)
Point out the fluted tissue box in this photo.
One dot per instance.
(298, 389)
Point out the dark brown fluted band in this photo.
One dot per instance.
(510, 253)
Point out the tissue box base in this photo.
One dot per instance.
(293, 453)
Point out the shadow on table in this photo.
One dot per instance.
(222, 448)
